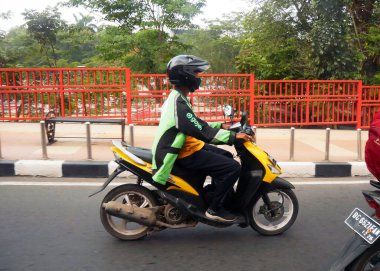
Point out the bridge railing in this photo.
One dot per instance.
(32, 94)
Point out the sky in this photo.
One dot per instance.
(214, 9)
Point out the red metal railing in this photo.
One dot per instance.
(31, 94)
(369, 104)
(305, 102)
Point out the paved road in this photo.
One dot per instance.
(58, 228)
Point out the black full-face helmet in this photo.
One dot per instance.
(182, 70)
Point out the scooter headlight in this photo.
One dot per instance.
(273, 161)
(273, 169)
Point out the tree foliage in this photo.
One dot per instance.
(146, 14)
(146, 51)
(18, 48)
(43, 27)
(218, 43)
(365, 15)
(271, 46)
(275, 39)
(142, 39)
(333, 54)
(77, 43)
(319, 39)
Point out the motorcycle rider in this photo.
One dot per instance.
(182, 135)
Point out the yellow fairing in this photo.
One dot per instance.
(179, 183)
(262, 156)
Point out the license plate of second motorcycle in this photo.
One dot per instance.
(364, 225)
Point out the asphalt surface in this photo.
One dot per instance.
(58, 228)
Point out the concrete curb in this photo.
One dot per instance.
(101, 169)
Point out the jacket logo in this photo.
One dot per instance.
(194, 120)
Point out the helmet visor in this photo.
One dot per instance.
(200, 69)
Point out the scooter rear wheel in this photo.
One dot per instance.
(127, 194)
(278, 216)
(369, 260)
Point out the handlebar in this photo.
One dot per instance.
(242, 126)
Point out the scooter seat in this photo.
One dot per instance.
(197, 179)
(144, 154)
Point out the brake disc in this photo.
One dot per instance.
(275, 212)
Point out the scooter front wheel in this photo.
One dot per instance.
(130, 194)
(274, 212)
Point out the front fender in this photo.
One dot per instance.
(353, 249)
(280, 183)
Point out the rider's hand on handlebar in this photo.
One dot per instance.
(244, 137)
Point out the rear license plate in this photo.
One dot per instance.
(363, 225)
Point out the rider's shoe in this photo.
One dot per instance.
(221, 215)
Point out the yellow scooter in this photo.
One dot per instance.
(260, 197)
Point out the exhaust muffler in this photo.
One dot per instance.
(143, 216)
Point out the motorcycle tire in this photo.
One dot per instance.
(369, 260)
(122, 228)
(276, 218)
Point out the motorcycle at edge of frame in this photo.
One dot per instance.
(362, 251)
(260, 198)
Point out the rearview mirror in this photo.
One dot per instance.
(243, 119)
(228, 111)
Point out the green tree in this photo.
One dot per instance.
(365, 15)
(320, 39)
(140, 51)
(19, 49)
(272, 47)
(333, 52)
(136, 14)
(76, 43)
(3, 60)
(4, 16)
(85, 21)
(218, 43)
(43, 27)
(142, 40)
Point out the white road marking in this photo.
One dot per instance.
(330, 182)
(98, 184)
(55, 184)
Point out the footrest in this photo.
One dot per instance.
(375, 184)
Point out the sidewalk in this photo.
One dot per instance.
(21, 150)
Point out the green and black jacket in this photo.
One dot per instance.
(177, 121)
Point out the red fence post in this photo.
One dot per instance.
(252, 99)
(359, 105)
(62, 93)
(308, 92)
(128, 95)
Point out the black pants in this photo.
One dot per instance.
(217, 163)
